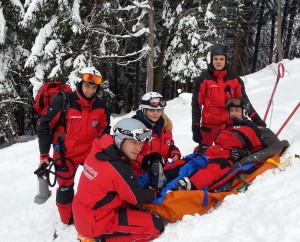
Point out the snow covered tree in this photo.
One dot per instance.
(74, 34)
(191, 34)
(14, 91)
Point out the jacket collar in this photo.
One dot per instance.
(104, 149)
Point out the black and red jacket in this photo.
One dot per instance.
(211, 90)
(107, 184)
(235, 133)
(85, 120)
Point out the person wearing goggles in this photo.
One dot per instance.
(86, 116)
(210, 92)
(89, 86)
(152, 115)
(108, 189)
(155, 102)
(136, 134)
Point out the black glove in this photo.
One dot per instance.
(152, 157)
(201, 149)
(197, 137)
(257, 119)
(238, 153)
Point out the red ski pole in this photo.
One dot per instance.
(288, 119)
(280, 74)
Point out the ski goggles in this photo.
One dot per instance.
(233, 101)
(92, 79)
(155, 102)
(136, 134)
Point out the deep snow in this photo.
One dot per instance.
(268, 211)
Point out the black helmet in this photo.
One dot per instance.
(219, 49)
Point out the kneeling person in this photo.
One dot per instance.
(104, 206)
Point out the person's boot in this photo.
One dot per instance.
(183, 184)
(157, 178)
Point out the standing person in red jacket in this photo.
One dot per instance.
(105, 205)
(152, 115)
(237, 139)
(86, 118)
(211, 90)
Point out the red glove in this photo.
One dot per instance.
(44, 158)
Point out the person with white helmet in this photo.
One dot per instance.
(211, 90)
(91, 80)
(152, 115)
(86, 117)
(105, 206)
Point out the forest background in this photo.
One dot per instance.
(139, 46)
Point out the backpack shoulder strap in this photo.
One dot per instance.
(65, 108)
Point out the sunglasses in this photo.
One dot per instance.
(233, 101)
(155, 102)
(137, 134)
(92, 79)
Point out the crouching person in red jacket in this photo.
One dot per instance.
(104, 207)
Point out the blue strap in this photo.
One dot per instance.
(205, 198)
(193, 165)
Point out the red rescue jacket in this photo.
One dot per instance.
(107, 184)
(235, 133)
(162, 142)
(211, 90)
(85, 120)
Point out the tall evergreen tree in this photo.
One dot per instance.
(14, 91)
(190, 31)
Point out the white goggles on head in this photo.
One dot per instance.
(137, 134)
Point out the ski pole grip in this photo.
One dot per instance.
(280, 70)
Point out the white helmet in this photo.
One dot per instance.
(91, 75)
(153, 100)
(130, 128)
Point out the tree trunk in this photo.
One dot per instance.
(151, 46)
(136, 88)
(285, 19)
(159, 68)
(240, 39)
(257, 39)
(279, 40)
(293, 10)
(272, 38)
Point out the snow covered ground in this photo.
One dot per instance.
(268, 211)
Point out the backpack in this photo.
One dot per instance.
(45, 95)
